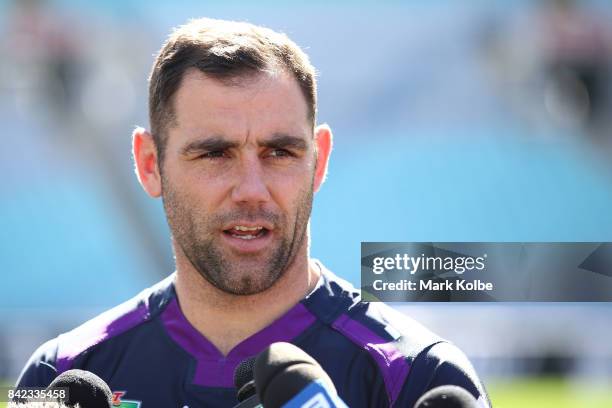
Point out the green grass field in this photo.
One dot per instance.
(549, 393)
(542, 393)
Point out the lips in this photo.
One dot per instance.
(248, 236)
(246, 232)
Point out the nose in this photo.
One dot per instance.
(250, 187)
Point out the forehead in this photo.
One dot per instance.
(255, 106)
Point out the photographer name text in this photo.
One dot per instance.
(445, 285)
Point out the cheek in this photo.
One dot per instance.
(289, 186)
(183, 200)
(203, 188)
(295, 197)
(291, 175)
(175, 203)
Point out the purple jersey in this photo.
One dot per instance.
(151, 356)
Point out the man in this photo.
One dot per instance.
(236, 157)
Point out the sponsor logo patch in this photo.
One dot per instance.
(119, 402)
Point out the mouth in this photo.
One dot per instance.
(246, 232)
(248, 237)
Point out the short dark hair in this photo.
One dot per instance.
(224, 50)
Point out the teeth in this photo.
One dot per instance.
(247, 237)
(243, 228)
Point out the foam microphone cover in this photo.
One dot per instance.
(243, 379)
(84, 388)
(447, 396)
(282, 371)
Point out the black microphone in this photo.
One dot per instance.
(84, 388)
(447, 396)
(245, 384)
(285, 376)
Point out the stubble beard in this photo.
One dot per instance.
(197, 235)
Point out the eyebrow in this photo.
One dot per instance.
(218, 143)
(214, 143)
(284, 141)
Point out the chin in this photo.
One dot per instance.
(247, 283)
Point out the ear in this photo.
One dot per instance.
(145, 162)
(323, 143)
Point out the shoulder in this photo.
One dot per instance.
(58, 355)
(339, 304)
(409, 358)
(40, 369)
(443, 364)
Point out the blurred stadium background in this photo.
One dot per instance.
(453, 121)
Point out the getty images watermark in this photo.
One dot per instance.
(486, 271)
(433, 267)
(435, 264)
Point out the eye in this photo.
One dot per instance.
(215, 154)
(278, 153)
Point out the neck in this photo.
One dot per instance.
(205, 306)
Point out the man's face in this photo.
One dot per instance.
(237, 178)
